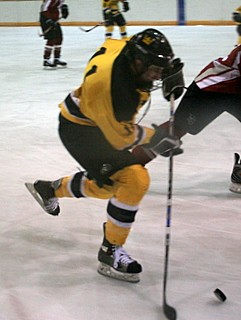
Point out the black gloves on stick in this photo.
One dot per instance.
(162, 143)
(173, 80)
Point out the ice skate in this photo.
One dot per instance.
(48, 64)
(235, 185)
(43, 193)
(60, 63)
(116, 263)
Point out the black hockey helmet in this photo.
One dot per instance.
(152, 47)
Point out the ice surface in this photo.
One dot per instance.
(48, 264)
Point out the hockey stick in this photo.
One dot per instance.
(92, 28)
(169, 311)
(45, 32)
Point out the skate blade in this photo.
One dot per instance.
(61, 67)
(235, 187)
(107, 271)
(34, 193)
(49, 68)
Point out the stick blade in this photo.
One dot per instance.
(90, 29)
(169, 312)
(84, 30)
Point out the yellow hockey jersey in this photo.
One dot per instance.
(109, 98)
(111, 4)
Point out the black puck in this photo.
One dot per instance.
(220, 295)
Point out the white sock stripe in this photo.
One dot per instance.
(69, 187)
(82, 184)
(122, 205)
(119, 223)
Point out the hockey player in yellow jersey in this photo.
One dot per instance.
(97, 126)
(112, 16)
(237, 18)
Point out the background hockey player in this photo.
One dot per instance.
(113, 16)
(216, 89)
(97, 127)
(237, 18)
(50, 13)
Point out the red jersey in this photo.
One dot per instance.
(50, 9)
(223, 74)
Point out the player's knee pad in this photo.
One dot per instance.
(110, 28)
(133, 183)
(139, 180)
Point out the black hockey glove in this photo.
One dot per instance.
(236, 17)
(173, 80)
(162, 143)
(65, 11)
(126, 6)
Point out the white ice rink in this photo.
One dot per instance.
(48, 264)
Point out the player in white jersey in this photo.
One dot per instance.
(216, 89)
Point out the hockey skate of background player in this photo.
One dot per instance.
(97, 127)
(52, 31)
(237, 18)
(216, 89)
(113, 16)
